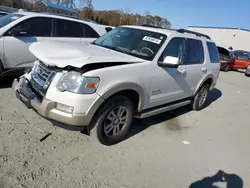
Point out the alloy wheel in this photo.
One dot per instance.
(202, 96)
(115, 121)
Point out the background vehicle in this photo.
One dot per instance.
(7, 10)
(240, 59)
(3, 13)
(234, 60)
(225, 59)
(131, 71)
(19, 30)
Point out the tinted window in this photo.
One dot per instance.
(89, 32)
(195, 53)
(67, 28)
(175, 48)
(213, 52)
(37, 27)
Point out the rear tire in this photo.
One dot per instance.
(200, 99)
(113, 120)
(1, 72)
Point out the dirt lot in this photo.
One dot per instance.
(174, 149)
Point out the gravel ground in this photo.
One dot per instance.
(174, 149)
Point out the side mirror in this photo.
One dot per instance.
(170, 61)
(17, 32)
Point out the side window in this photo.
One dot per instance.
(89, 32)
(213, 52)
(175, 48)
(37, 27)
(195, 52)
(66, 28)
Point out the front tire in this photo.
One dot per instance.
(200, 99)
(114, 120)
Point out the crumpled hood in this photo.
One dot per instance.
(62, 54)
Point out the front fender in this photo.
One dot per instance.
(126, 86)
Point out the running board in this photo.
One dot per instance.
(160, 110)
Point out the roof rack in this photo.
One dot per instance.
(152, 26)
(146, 25)
(193, 32)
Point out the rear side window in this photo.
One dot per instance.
(213, 52)
(89, 32)
(66, 28)
(195, 52)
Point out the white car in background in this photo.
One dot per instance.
(19, 30)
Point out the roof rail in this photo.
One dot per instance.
(146, 25)
(193, 32)
(157, 27)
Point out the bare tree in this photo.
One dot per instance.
(121, 12)
(146, 17)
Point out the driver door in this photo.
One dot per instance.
(18, 39)
(169, 83)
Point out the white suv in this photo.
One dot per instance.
(19, 30)
(132, 71)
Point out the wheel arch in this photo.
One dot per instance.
(131, 90)
(126, 89)
(207, 79)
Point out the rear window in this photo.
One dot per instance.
(213, 52)
(195, 53)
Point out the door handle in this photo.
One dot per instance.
(204, 69)
(182, 71)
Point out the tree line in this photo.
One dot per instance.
(86, 10)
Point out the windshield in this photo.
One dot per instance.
(139, 43)
(5, 20)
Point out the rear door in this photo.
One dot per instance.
(16, 48)
(194, 66)
(214, 66)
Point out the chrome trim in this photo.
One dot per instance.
(42, 76)
(162, 109)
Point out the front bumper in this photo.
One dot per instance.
(45, 107)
